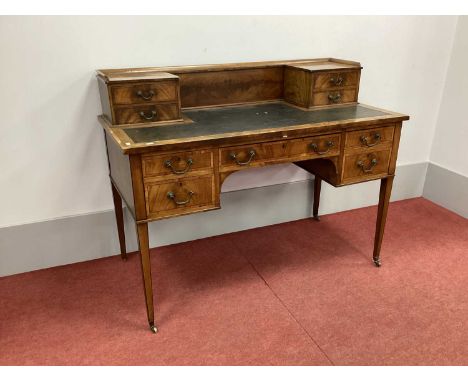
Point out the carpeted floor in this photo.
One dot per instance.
(299, 293)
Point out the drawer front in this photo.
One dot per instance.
(365, 165)
(334, 97)
(370, 138)
(331, 80)
(146, 113)
(294, 149)
(183, 163)
(146, 92)
(178, 197)
(250, 156)
(324, 146)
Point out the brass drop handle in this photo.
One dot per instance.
(365, 140)
(337, 81)
(148, 117)
(172, 196)
(233, 156)
(372, 164)
(147, 97)
(188, 164)
(328, 144)
(334, 97)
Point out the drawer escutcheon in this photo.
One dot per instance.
(365, 140)
(172, 196)
(251, 153)
(373, 162)
(148, 117)
(337, 81)
(328, 144)
(189, 162)
(150, 95)
(334, 97)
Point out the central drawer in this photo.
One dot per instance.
(183, 196)
(234, 158)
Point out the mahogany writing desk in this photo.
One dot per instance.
(174, 134)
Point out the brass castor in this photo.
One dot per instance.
(377, 262)
(153, 328)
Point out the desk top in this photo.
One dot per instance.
(235, 121)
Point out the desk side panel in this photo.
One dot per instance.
(119, 171)
(105, 100)
(297, 86)
(325, 168)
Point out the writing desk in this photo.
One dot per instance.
(188, 128)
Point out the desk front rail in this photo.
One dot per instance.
(174, 183)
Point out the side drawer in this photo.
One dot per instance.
(334, 97)
(144, 92)
(365, 165)
(330, 80)
(370, 138)
(182, 163)
(179, 197)
(146, 113)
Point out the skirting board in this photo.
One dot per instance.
(79, 238)
(447, 188)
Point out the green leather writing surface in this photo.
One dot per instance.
(247, 118)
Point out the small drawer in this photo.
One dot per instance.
(369, 138)
(145, 92)
(146, 113)
(334, 97)
(178, 197)
(331, 80)
(177, 163)
(365, 165)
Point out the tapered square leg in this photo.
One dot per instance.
(317, 189)
(384, 200)
(143, 243)
(120, 221)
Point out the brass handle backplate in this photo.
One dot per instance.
(334, 97)
(369, 169)
(337, 81)
(171, 195)
(251, 153)
(328, 144)
(148, 117)
(188, 164)
(149, 95)
(365, 140)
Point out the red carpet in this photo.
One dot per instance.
(299, 293)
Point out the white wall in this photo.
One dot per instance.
(51, 146)
(446, 180)
(450, 145)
